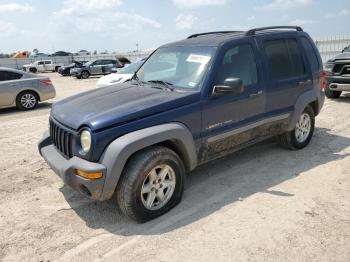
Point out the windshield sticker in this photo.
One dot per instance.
(201, 59)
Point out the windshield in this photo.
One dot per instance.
(89, 63)
(131, 69)
(182, 66)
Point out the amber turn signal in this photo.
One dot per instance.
(88, 175)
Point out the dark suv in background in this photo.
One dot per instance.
(191, 101)
(95, 67)
(338, 74)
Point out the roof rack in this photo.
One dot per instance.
(254, 30)
(213, 33)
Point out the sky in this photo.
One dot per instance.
(118, 25)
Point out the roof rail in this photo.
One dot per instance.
(213, 33)
(254, 30)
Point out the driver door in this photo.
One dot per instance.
(229, 118)
(96, 67)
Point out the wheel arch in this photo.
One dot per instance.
(307, 98)
(174, 136)
(29, 90)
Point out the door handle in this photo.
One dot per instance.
(13, 84)
(304, 83)
(257, 94)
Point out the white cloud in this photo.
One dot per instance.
(197, 3)
(185, 21)
(251, 18)
(302, 22)
(14, 7)
(78, 6)
(7, 29)
(284, 4)
(343, 12)
(98, 16)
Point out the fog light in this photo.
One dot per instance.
(89, 175)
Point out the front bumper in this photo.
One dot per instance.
(66, 169)
(339, 83)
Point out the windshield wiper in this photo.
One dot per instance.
(164, 83)
(136, 78)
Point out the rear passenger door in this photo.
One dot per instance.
(287, 74)
(48, 65)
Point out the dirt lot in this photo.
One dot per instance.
(261, 204)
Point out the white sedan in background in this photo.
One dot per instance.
(121, 76)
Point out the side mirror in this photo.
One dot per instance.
(231, 86)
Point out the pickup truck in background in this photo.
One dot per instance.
(42, 66)
(338, 74)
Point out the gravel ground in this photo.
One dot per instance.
(263, 203)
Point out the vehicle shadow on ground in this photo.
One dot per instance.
(15, 110)
(219, 183)
(344, 98)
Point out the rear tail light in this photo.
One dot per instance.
(46, 82)
(323, 81)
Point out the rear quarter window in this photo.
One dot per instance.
(311, 54)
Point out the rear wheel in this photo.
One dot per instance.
(332, 94)
(27, 100)
(301, 136)
(151, 184)
(56, 68)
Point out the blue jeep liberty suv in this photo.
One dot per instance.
(191, 101)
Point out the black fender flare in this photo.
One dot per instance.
(119, 151)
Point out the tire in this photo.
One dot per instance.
(33, 70)
(332, 94)
(27, 100)
(56, 68)
(85, 74)
(137, 177)
(300, 136)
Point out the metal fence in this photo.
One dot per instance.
(17, 63)
(330, 46)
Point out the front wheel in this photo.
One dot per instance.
(151, 184)
(85, 74)
(332, 94)
(301, 136)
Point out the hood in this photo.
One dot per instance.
(117, 104)
(341, 56)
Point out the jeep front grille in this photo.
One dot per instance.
(61, 138)
(339, 68)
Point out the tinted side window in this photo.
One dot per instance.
(311, 55)
(98, 62)
(47, 62)
(7, 76)
(238, 62)
(284, 58)
(40, 63)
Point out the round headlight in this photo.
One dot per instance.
(85, 141)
